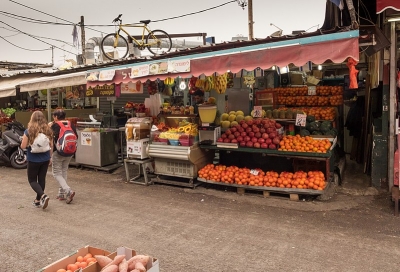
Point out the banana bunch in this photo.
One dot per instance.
(208, 84)
(169, 135)
(249, 81)
(220, 83)
(200, 83)
(169, 81)
(189, 129)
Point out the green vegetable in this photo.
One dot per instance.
(8, 111)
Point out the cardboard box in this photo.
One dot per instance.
(296, 79)
(152, 266)
(71, 258)
(332, 139)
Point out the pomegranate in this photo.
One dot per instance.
(251, 134)
(278, 126)
(242, 143)
(276, 141)
(272, 146)
(234, 141)
(272, 135)
(243, 134)
(256, 129)
(227, 140)
(262, 130)
(256, 145)
(223, 136)
(249, 122)
(264, 145)
(249, 144)
(254, 140)
(246, 139)
(239, 138)
(264, 136)
(268, 141)
(233, 129)
(257, 134)
(261, 140)
(228, 131)
(249, 129)
(236, 133)
(220, 140)
(231, 136)
(245, 125)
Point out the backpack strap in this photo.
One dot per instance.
(61, 123)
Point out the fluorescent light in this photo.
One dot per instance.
(394, 19)
(320, 67)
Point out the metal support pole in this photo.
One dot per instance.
(392, 102)
(250, 15)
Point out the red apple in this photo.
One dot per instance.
(257, 121)
(220, 140)
(276, 141)
(236, 133)
(249, 129)
(227, 140)
(256, 129)
(262, 129)
(240, 129)
(231, 136)
(249, 122)
(254, 140)
(233, 129)
(239, 138)
(246, 139)
(278, 126)
(242, 122)
(272, 146)
(272, 135)
(257, 145)
(268, 141)
(234, 141)
(242, 143)
(261, 140)
(223, 136)
(243, 134)
(251, 134)
(228, 131)
(264, 136)
(244, 125)
(257, 134)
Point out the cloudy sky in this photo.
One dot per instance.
(22, 38)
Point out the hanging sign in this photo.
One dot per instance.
(312, 90)
(101, 91)
(132, 88)
(179, 66)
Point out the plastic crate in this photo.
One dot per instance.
(176, 168)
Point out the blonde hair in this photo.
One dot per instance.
(38, 124)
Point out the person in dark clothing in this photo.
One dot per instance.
(199, 99)
(38, 162)
(61, 163)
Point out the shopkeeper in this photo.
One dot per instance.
(198, 100)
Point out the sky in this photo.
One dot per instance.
(19, 36)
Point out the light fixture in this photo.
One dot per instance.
(273, 67)
(394, 19)
(182, 85)
(320, 67)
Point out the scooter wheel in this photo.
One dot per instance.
(17, 162)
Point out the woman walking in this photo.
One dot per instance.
(37, 139)
(61, 163)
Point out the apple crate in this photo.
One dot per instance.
(176, 168)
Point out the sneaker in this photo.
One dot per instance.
(36, 204)
(44, 201)
(70, 196)
(61, 197)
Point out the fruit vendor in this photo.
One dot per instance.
(198, 96)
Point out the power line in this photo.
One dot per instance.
(192, 13)
(30, 20)
(54, 16)
(23, 47)
(37, 38)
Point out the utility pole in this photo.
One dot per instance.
(83, 39)
(52, 55)
(250, 16)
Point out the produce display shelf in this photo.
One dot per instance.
(270, 189)
(272, 152)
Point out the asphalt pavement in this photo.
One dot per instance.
(202, 229)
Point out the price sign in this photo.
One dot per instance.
(312, 90)
(254, 172)
(301, 120)
(257, 111)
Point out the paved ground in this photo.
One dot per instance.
(201, 229)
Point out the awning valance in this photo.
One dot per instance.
(382, 5)
(49, 82)
(8, 84)
(336, 47)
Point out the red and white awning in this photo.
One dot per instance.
(382, 5)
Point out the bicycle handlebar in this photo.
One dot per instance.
(117, 19)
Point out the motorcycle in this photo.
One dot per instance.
(10, 150)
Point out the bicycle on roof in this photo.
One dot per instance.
(114, 46)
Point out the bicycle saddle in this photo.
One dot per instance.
(146, 22)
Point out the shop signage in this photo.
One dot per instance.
(257, 111)
(126, 74)
(301, 120)
(101, 91)
(86, 138)
(132, 88)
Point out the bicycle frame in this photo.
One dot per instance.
(139, 43)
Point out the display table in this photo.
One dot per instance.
(142, 168)
(243, 153)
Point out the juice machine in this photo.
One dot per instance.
(137, 132)
(208, 131)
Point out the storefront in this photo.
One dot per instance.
(248, 65)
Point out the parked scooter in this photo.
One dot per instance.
(10, 150)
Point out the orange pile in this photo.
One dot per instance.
(243, 176)
(304, 144)
(81, 262)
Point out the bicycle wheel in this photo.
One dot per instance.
(158, 42)
(110, 51)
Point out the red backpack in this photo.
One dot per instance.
(67, 140)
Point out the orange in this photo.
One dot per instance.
(82, 264)
(61, 270)
(72, 267)
(79, 259)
